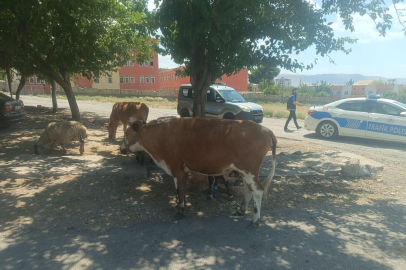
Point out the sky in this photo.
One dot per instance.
(372, 55)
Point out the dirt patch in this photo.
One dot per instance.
(99, 202)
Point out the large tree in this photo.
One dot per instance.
(60, 38)
(263, 73)
(213, 37)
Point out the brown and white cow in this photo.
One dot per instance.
(124, 112)
(210, 147)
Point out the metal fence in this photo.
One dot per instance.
(33, 90)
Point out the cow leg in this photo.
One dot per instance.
(124, 128)
(180, 184)
(142, 158)
(257, 192)
(82, 145)
(114, 131)
(245, 202)
(63, 147)
(210, 191)
(230, 196)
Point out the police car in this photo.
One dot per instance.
(371, 117)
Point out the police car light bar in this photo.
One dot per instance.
(373, 96)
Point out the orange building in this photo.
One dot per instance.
(168, 81)
(131, 76)
(359, 89)
(33, 85)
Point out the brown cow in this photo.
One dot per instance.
(210, 147)
(123, 112)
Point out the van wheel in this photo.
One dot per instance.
(327, 130)
(229, 116)
(185, 113)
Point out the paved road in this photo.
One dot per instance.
(390, 153)
(371, 236)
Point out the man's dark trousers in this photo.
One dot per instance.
(291, 115)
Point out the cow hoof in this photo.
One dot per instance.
(237, 214)
(256, 223)
(179, 216)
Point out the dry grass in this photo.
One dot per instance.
(152, 102)
(276, 110)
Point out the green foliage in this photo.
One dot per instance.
(350, 82)
(401, 97)
(262, 73)
(319, 89)
(272, 90)
(57, 39)
(265, 84)
(250, 87)
(380, 82)
(212, 37)
(281, 114)
(305, 90)
(87, 37)
(323, 89)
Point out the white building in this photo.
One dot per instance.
(283, 81)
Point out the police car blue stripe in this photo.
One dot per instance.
(387, 128)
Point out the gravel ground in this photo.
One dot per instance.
(98, 202)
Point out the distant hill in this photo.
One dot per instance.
(335, 79)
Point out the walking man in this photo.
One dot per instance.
(291, 106)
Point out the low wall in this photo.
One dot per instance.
(260, 97)
(121, 93)
(249, 96)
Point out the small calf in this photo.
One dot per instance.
(61, 132)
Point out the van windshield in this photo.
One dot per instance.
(232, 96)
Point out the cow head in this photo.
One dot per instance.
(131, 136)
(111, 131)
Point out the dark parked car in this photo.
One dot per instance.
(11, 110)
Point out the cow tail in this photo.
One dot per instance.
(271, 174)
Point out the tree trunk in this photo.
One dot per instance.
(54, 101)
(72, 100)
(201, 80)
(64, 82)
(9, 80)
(20, 86)
(200, 87)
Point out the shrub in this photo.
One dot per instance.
(301, 115)
(281, 114)
(268, 113)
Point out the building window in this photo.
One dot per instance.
(109, 78)
(146, 64)
(96, 79)
(38, 80)
(146, 79)
(370, 92)
(142, 79)
(127, 79)
(151, 62)
(121, 79)
(152, 79)
(141, 65)
(131, 63)
(132, 79)
(31, 79)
